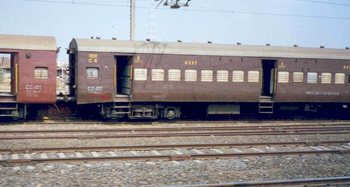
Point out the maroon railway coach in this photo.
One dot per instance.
(28, 69)
(161, 79)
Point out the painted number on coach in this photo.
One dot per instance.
(92, 58)
(190, 63)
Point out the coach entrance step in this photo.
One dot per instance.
(266, 105)
(7, 97)
(8, 110)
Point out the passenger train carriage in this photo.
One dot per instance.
(32, 73)
(146, 79)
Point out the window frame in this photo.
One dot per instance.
(157, 74)
(143, 72)
(207, 77)
(222, 76)
(41, 73)
(191, 75)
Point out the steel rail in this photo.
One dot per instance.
(342, 181)
(260, 128)
(153, 135)
(169, 146)
(174, 157)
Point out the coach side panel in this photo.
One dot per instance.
(305, 80)
(186, 78)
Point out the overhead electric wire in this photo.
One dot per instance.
(204, 9)
(328, 3)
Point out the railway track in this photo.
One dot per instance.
(174, 132)
(175, 152)
(331, 181)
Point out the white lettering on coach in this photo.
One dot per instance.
(95, 89)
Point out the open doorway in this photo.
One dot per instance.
(268, 83)
(6, 72)
(122, 75)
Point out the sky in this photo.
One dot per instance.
(306, 23)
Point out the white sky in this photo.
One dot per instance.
(308, 23)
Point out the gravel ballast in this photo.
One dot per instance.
(159, 173)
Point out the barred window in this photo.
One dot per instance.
(207, 75)
(253, 76)
(157, 74)
(41, 73)
(298, 77)
(283, 77)
(140, 74)
(222, 76)
(340, 78)
(311, 77)
(238, 76)
(326, 78)
(190, 75)
(174, 75)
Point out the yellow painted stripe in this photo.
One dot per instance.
(275, 81)
(115, 78)
(261, 78)
(131, 78)
(131, 72)
(16, 78)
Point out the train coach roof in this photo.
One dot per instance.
(126, 46)
(27, 42)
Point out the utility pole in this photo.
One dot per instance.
(132, 19)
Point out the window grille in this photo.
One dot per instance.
(140, 74)
(157, 75)
(238, 76)
(174, 75)
(340, 78)
(222, 76)
(207, 75)
(190, 75)
(41, 73)
(253, 76)
(283, 77)
(298, 77)
(326, 78)
(311, 77)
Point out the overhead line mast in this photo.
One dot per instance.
(171, 3)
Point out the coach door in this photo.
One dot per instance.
(122, 75)
(8, 74)
(268, 84)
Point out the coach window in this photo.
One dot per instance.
(339, 78)
(253, 76)
(41, 73)
(157, 75)
(190, 75)
(207, 76)
(174, 75)
(140, 74)
(222, 76)
(91, 73)
(283, 77)
(311, 77)
(298, 77)
(326, 78)
(238, 76)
